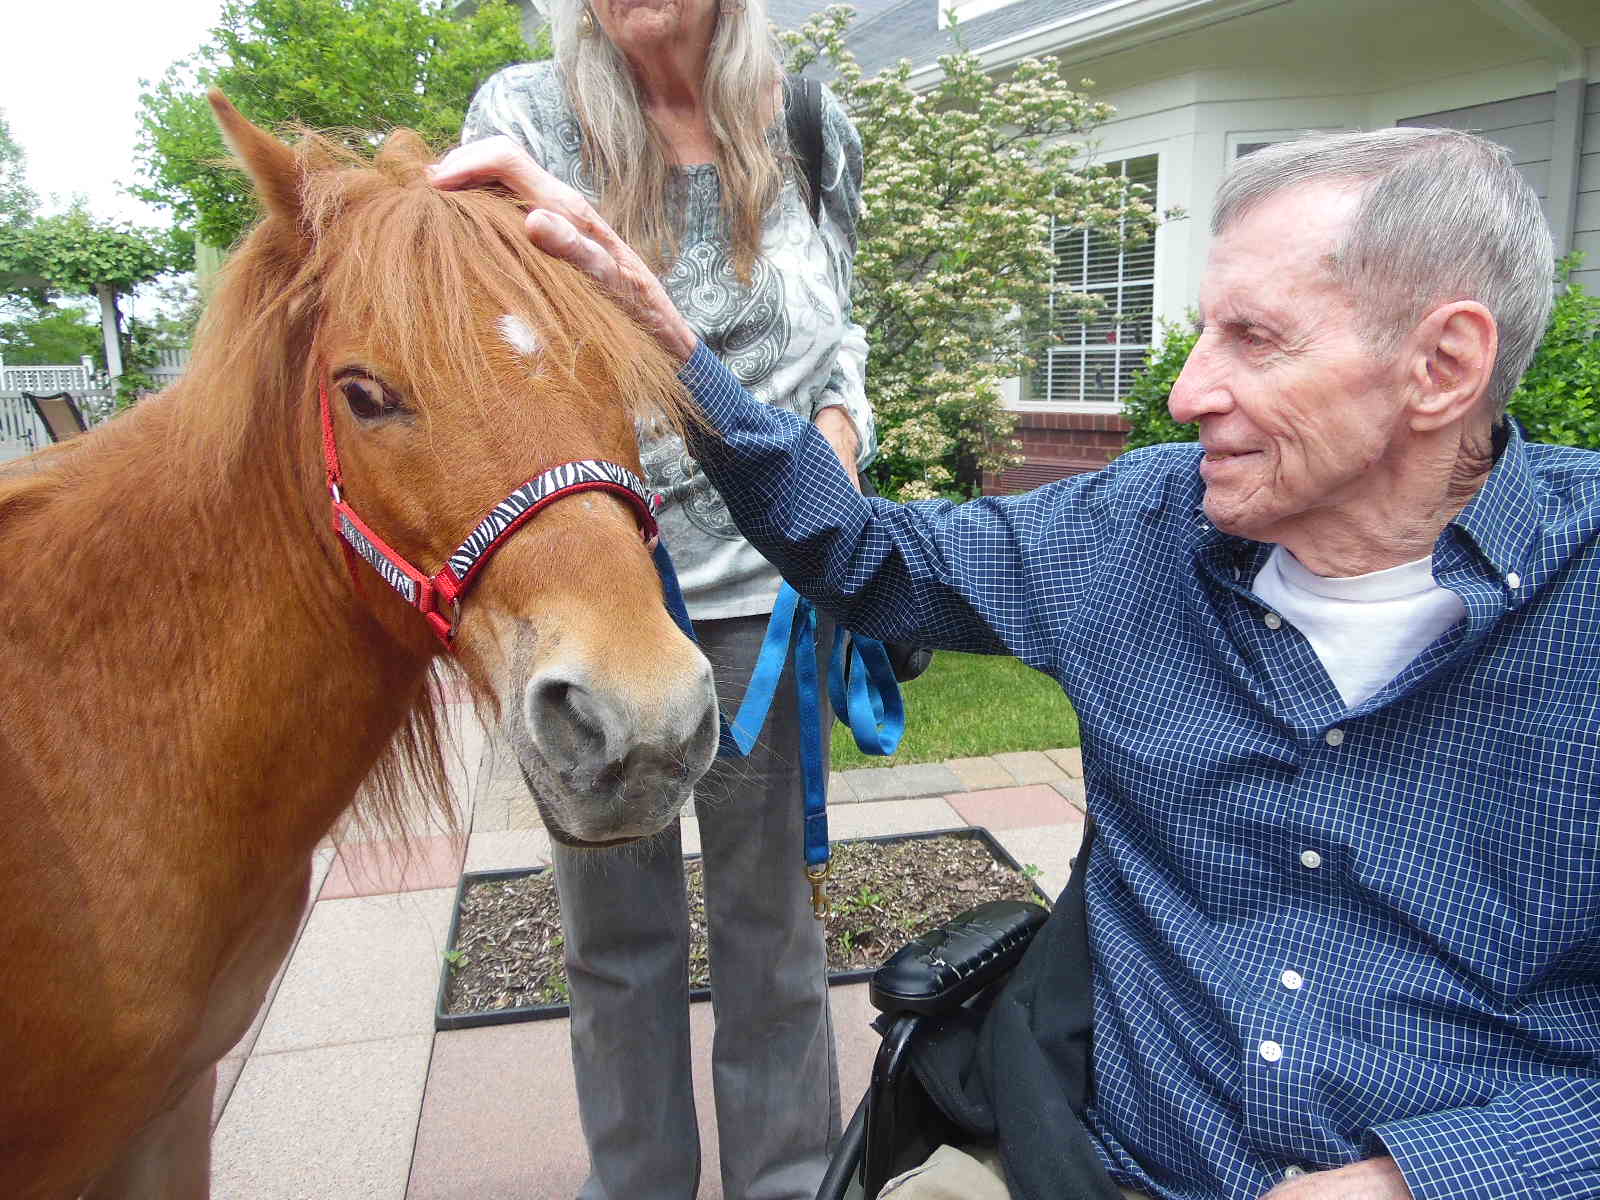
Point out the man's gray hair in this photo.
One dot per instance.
(1444, 216)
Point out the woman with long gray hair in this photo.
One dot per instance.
(669, 116)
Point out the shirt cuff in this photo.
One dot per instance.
(1458, 1154)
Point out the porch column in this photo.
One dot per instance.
(108, 330)
(1566, 155)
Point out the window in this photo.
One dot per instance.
(1245, 143)
(1092, 363)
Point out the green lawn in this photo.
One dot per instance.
(971, 704)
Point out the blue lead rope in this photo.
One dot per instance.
(861, 687)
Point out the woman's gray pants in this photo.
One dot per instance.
(625, 916)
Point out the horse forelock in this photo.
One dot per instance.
(427, 276)
(434, 274)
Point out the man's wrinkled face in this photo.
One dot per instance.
(1298, 418)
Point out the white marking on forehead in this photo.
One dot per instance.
(519, 335)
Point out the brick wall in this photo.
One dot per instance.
(1055, 445)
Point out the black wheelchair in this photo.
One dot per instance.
(896, 1125)
(960, 964)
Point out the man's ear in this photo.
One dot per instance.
(273, 167)
(1452, 352)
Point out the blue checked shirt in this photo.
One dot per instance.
(1318, 934)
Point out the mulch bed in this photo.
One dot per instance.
(508, 948)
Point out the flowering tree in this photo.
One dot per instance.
(954, 265)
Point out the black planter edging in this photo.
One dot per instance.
(543, 1012)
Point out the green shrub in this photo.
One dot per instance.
(1145, 404)
(1558, 399)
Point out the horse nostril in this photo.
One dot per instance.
(709, 729)
(569, 722)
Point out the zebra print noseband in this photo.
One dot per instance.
(432, 595)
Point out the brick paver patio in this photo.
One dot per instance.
(343, 1090)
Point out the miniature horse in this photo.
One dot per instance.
(197, 681)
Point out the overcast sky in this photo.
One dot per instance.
(69, 88)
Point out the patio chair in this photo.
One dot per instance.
(59, 414)
(896, 1125)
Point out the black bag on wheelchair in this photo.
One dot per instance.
(1010, 1064)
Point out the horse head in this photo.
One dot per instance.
(458, 363)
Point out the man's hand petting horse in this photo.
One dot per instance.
(565, 225)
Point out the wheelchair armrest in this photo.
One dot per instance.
(949, 965)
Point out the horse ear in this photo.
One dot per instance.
(274, 168)
(407, 145)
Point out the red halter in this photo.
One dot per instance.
(427, 593)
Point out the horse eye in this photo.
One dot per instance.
(369, 399)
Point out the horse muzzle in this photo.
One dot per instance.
(607, 764)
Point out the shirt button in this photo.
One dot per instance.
(1272, 621)
(1334, 737)
(1270, 1051)
(1513, 580)
(1293, 1172)
(1310, 859)
(1292, 980)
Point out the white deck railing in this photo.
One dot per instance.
(21, 431)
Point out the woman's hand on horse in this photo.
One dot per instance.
(565, 225)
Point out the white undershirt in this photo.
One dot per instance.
(1364, 628)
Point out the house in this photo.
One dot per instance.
(1198, 83)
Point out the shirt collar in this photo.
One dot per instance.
(1505, 518)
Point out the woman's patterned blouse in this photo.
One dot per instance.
(788, 335)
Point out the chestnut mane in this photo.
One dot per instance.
(415, 266)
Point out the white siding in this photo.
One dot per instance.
(1524, 126)
(1586, 228)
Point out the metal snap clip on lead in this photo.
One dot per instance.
(818, 876)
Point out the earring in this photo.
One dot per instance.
(586, 23)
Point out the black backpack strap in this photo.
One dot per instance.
(802, 113)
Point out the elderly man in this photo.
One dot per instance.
(1336, 670)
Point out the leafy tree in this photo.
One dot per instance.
(1145, 405)
(178, 311)
(17, 201)
(51, 335)
(361, 65)
(17, 205)
(962, 183)
(73, 254)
